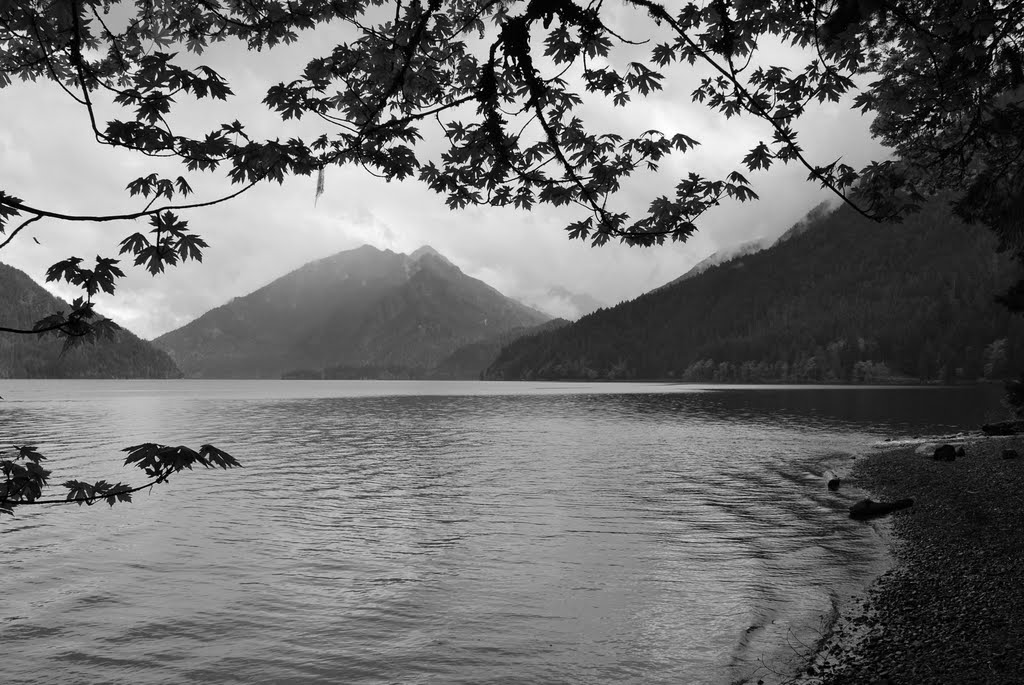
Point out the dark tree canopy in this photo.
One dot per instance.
(501, 81)
(483, 101)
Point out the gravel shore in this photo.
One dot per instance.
(952, 608)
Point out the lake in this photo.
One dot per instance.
(449, 532)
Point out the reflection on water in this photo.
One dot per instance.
(450, 533)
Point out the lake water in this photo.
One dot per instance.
(404, 532)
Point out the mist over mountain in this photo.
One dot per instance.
(733, 252)
(564, 303)
(363, 309)
(28, 356)
(722, 256)
(837, 298)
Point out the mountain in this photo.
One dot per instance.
(840, 298)
(360, 309)
(27, 356)
(470, 361)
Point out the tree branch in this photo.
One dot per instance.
(15, 232)
(748, 102)
(20, 206)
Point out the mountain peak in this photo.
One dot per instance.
(426, 250)
(429, 258)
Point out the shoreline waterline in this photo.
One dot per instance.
(788, 659)
(846, 626)
(948, 608)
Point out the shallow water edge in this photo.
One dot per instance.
(796, 654)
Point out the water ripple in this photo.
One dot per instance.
(473, 533)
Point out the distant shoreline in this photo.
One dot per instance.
(906, 382)
(914, 382)
(902, 382)
(949, 610)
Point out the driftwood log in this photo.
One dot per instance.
(869, 509)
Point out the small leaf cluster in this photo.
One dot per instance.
(160, 461)
(8, 210)
(171, 242)
(100, 277)
(24, 477)
(81, 324)
(81, 492)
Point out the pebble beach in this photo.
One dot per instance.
(951, 609)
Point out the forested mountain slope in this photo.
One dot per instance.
(362, 309)
(844, 299)
(470, 361)
(23, 302)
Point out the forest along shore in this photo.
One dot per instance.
(950, 609)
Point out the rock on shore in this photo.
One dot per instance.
(952, 610)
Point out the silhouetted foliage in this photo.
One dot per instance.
(25, 478)
(503, 80)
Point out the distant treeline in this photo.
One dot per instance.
(468, 362)
(849, 300)
(357, 373)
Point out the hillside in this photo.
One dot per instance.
(27, 356)
(841, 299)
(470, 361)
(721, 257)
(363, 309)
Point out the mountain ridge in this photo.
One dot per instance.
(358, 308)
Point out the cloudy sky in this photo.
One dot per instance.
(48, 158)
